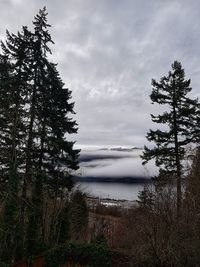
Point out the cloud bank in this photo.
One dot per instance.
(114, 164)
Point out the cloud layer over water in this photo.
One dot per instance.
(114, 164)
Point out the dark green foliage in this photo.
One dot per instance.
(78, 214)
(63, 229)
(91, 255)
(52, 156)
(34, 231)
(2, 264)
(193, 182)
(145, 197)
(9, 234)
(181, 120)
(36, 159)
(12, 81)
(100, 239)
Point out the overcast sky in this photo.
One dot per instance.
(107, 53)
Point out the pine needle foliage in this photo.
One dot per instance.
(181, 120)
(35, 120)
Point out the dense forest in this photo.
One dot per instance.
(41, 214)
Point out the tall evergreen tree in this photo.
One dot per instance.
(50, 157)
(13, 79)
(181, 118)
(35, 120)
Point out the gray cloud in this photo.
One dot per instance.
(108, 51)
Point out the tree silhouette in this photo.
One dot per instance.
(181, 118)
(35, 121)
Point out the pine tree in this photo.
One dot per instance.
(12, 79)
(181, 118)
(51, 158)
(49, 109)
(36, 157)
(34, 171)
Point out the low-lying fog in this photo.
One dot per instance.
(114, 163)
(113, 173)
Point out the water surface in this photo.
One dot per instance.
(112, 190)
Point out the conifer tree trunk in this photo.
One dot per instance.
(178, 166)
(27, 175)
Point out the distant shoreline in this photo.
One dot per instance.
(125, 180)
